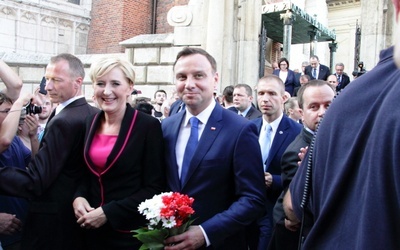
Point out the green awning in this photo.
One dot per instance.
(302, 24)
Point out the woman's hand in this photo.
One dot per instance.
(93, 219)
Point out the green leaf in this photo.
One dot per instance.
(151, 239)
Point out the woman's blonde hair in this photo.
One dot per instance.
(104, 65)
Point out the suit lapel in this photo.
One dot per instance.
(47, 127)
(88, 141)
(279, 138)
(77, 102)
(248, 115)
(210, 133)
(258, 123)
(172, 172)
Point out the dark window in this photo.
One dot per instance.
(75, 1)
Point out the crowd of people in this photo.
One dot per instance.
(292, 162)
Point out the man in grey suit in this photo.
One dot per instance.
(243, 100)
(52, 176)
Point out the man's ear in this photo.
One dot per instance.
(285, 98)
(216, 79)
(78, 82)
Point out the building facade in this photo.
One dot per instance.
(151, 32)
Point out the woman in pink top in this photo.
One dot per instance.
(124, 158)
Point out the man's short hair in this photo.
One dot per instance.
(305, 77)
(290, 104)
(339, 64)
(187, 51)
(228, 93)
(160, 91)
(312, 83)
(314, 57)
(75, 64)
(271, 77)
(248, 89)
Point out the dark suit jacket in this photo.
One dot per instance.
(345, 81)
(51, 180)
(252, 114)
(176, 107)
(296, 90)
(134, 171)
(285, 134)
(225, 177)
(290, 82)
(289, 167)
(324, 72)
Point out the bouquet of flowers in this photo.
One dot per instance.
(168, 215)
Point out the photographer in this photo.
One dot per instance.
(12, 152)
(360, 72)
(11, 121)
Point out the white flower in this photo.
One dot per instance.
(151, 208)
(169, 222)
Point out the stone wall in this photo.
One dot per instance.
(47, 27)
(31, 68)
(152, 56)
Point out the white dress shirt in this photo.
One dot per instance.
(62, 105)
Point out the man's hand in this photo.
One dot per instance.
(268, 179)
(292, 223)
(301, 154)
(191, 239)
(9, 224)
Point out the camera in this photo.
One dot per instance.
(31, 108)
(360, 72)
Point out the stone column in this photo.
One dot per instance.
(376, 27)
(215, 30)
(332, 50)
(248, 50)
(313, 42)
(287, 33)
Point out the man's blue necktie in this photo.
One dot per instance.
(314, 73)
(190, 147)
(265, 142)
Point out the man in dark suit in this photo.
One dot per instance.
(177, 107)
(225, 175)
(242, 101)
(271, 97)
(314, 98)
(316, 70)
(342, 78)
(52, 176)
